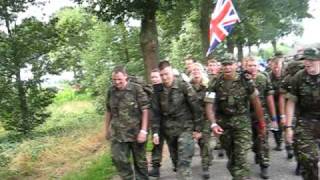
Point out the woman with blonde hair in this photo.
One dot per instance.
(199, 81)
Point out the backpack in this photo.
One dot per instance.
(145, 86)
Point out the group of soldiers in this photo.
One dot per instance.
(236, 102)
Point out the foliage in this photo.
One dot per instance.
(72, 25)
(23, 101)
(188, 42)
(101, 168)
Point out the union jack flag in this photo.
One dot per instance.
(222, 21)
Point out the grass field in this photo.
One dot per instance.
(71, 140)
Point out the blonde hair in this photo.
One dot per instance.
(204, 75)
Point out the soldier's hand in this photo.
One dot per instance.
(262, 128)
(156, 140)
(196, 135)
(217, 130)
(142, 137)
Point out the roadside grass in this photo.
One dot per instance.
(100, 169)
(71, 139)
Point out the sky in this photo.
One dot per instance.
(310, 35)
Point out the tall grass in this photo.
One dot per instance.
(71, 137)
(100, 169)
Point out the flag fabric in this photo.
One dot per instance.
(222, 21)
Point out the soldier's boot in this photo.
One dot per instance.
(205, 173)
(264, 173)
(298, 169)
(155, 172)
(289, 151)
(220, 153)
(278, 147)
(257, 159)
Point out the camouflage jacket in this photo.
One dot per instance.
(306, 92)
(179, 109)
(201, 93)
(126, 108)
(232, 97)
(265, 88)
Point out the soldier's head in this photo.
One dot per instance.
(252, 65)
(155, 76)
(119, 77)
(197, 71)
(213, 66)
(166, 73)
(276, 65)
(188, 61)
(311, 57)
(229, 66)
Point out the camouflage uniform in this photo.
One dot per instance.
(305, 92)
(125, 107)
(204, 142)
(285, 87)
(261, 146)
(180, 117)
(156, 153)
(276, 84)
(232, 104)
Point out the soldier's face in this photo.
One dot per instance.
(229, 69)
(213, 68)
(252, 67)
(167, 76)
(188, 64)
(119, 80)
(277, 68)
(196, 72)
(155, 78)
(312, 67)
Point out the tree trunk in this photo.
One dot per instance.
(125, 43)
(240, 51)
(206, 7)
(274, 45)
(230, 46)
(22, 104)
(149, 37)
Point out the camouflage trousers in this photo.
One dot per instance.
(305, 141)
(260, 145)
(121, 152)
(181, 149)
(205, 150)
(156, 153)
(236, 140)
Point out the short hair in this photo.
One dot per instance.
(163, 64)
(249, 58)
(189, 57)
(155, 70)
(119, 69)
(212, 60)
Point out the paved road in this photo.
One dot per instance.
(280, 169)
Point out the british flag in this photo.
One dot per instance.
(222, 21)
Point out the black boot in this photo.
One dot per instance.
(278, 147)
(298, 169)
(264, 173)
(205, 173)
(257, 159)
(155, 172)
(289, 151)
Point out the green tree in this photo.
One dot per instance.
(25, 46)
